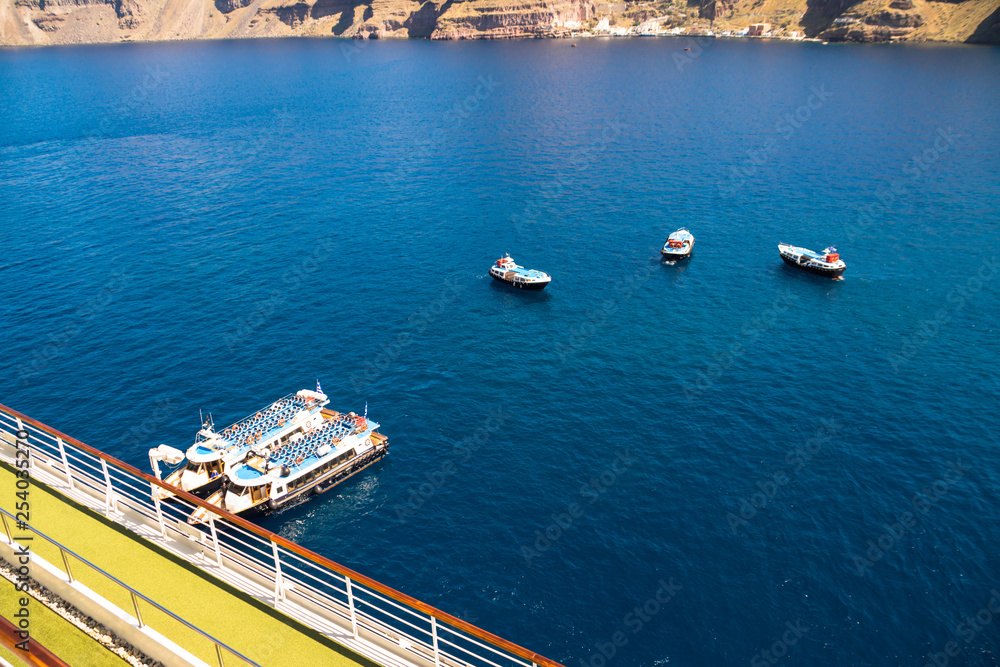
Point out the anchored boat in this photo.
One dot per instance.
(215, 454)
(285, 472)
(506, 271)
(826, 263)
(678, 245)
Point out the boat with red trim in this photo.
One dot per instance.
(506, 271)
(826, 263)
(678, 245)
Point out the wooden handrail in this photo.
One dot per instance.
(305, 553)
(36, 655)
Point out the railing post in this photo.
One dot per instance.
(109, 491)
(6, 529)
(135, 605)
(159, 514)
(69, 573)
(278, 592)
(218, 653)
(350, 603)
(215, 539)
(65, 461)
(434, 636)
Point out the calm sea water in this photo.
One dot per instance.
(809, 466)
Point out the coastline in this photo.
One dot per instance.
(348, 41)
(54, 22)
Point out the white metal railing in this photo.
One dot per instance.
(220, 648)
(425, 633)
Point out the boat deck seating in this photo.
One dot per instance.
(805, 252)
(330, 433)
(522, 273)
(261, 425)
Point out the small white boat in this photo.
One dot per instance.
(506, 271)
(827, 263)
(678, 245)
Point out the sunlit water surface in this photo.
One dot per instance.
(213, 225)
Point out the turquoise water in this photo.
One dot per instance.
(687, 464)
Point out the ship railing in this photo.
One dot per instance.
(69, 556)
(294, 579)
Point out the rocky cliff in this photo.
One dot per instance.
(42, 22)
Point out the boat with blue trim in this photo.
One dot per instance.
(506, 271)
(214, 454)
(281, 473)
(678, 245)
(826, 263)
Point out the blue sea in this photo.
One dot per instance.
(720, 462)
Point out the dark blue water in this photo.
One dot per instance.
(213, 225)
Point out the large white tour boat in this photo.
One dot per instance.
(277, 474)
(215, 454)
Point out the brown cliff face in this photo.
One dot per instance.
(863, 33)
(49, 22)
(292, 15)
(226, 6)
(423, 22)
(894, 19)
(987, 32)
(130, 13)
(714, 9)
(86, 21)
(497, 19)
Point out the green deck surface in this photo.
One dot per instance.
(56, 634)
(264, 635)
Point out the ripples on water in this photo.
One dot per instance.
(212, 225)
